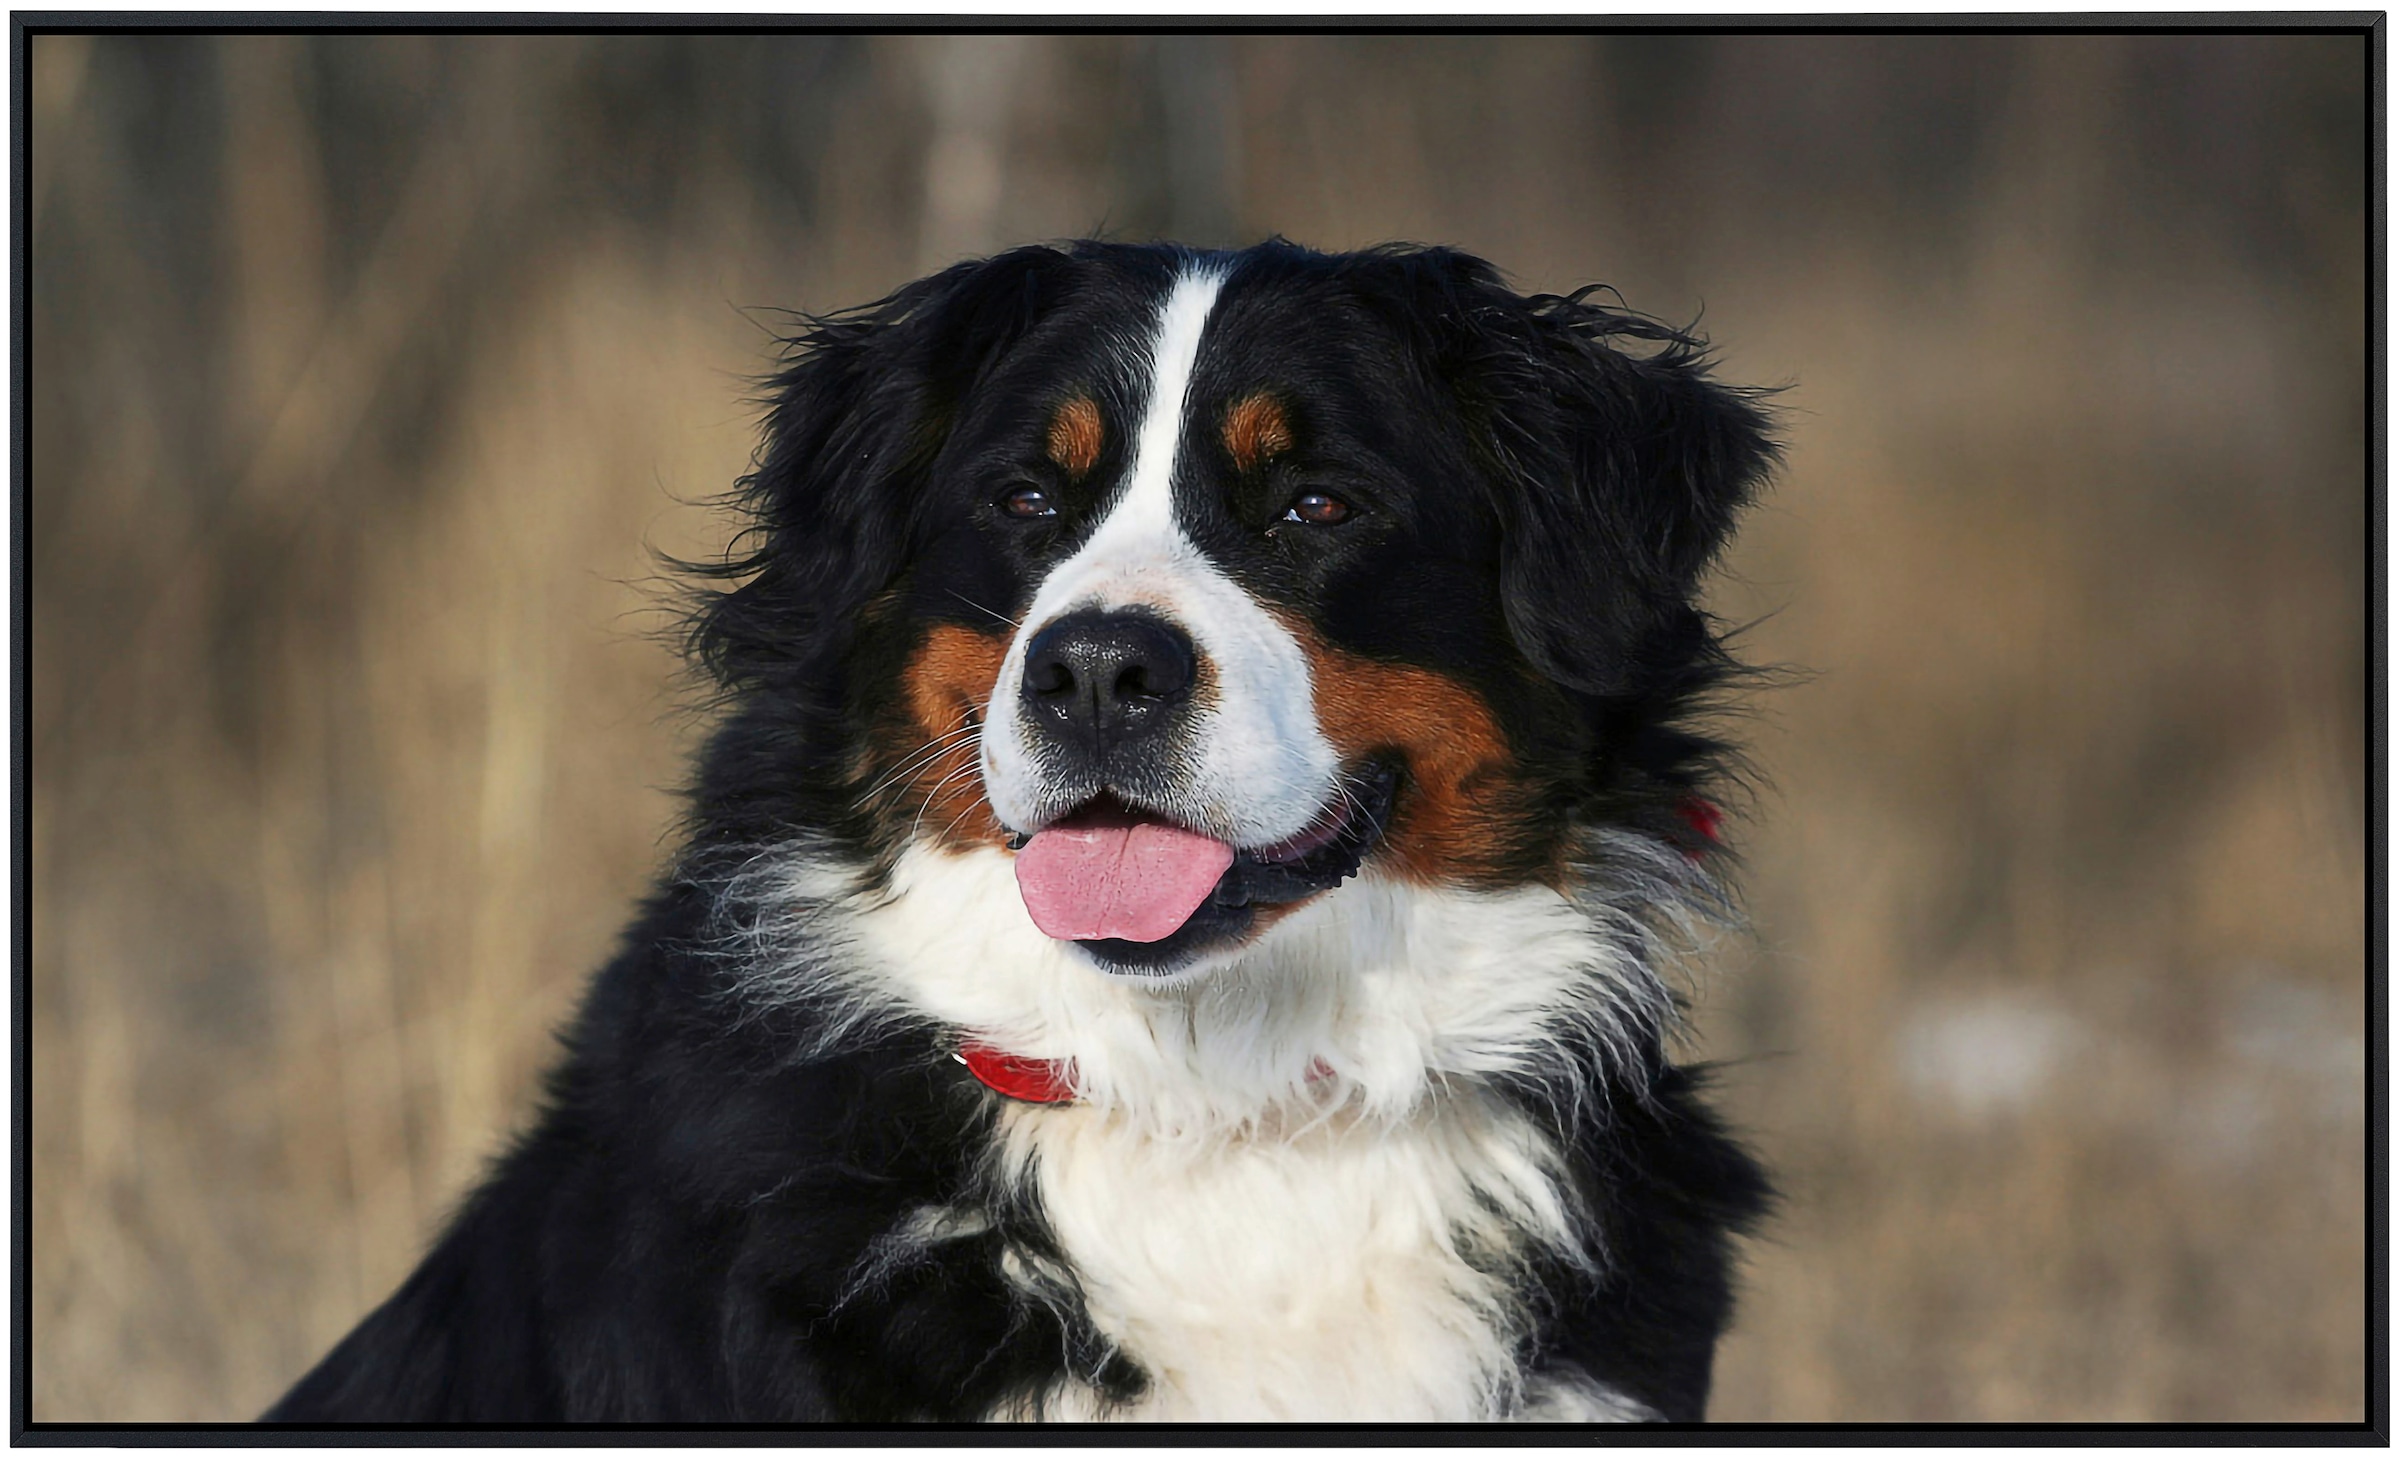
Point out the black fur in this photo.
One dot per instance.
(697, 1227)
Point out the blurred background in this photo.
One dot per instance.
(367, 374)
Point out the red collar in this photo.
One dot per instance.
(1044, 1080)
(1028, 1080)
(1704, 818)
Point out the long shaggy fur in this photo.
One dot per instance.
(1396, 1137)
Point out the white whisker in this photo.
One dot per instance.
(920, 758)
(935, 793)
(979, 607)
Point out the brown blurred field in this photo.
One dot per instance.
(366, 372)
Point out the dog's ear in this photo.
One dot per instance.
(1619, 465)
(1624, 466)
(862, 405)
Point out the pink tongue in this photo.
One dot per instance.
(1112, 873)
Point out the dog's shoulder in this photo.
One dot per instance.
(703, 1224)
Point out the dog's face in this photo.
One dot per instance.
(1197, 582)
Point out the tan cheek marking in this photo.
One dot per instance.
(1459, 816)
(1076, 435)
(1256, 431)
(1464, 802)
(943, 690)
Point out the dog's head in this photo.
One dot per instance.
(1197, 581)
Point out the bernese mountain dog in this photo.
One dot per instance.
(1180, 913)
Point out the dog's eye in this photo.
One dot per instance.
(1028, 501)
(1317, 509)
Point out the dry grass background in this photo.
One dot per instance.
(363, 371)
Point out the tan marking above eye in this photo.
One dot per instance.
(1256, 431)
(1076, 435)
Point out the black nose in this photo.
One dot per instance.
(1102, 678)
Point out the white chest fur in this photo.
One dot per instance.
(1287, 1192)
(1348, 1270)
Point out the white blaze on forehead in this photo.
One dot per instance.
(1148, 506)
(1259, 770)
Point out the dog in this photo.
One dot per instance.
(1180, 913)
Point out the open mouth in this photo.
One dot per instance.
(1143, 893)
